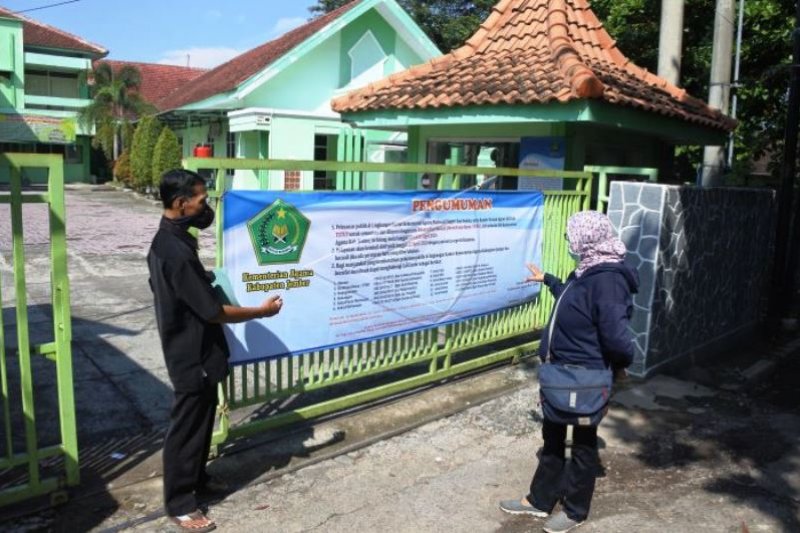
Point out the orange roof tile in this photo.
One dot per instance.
(35, 33)
(158, 80)
(533, 52)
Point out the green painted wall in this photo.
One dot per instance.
(404, 55)
(352, 34)
(306, 85)
(293, 138)
(248, 146)
(12, 69)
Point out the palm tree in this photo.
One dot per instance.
(115, 103)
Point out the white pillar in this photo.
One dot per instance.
(670, 41)
(720, 87)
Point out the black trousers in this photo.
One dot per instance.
(186, 448)
(571, 481)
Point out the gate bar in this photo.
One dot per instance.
(23, 339)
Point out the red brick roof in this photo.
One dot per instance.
(533, 52)
(36, 33)
(230, 75)
(158, 81)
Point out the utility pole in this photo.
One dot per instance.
(670, 41)
(786, 249)
(720, 86)
(735, 86)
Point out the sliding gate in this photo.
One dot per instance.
(266, 395)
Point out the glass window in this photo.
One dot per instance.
(64, 85)
(471, 154)
(230, 150)
(37, 84)
(57, 84)
(73, 155)
(323, 149)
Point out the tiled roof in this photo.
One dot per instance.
(533, 52)
(230, 75)
(158, 81)
(36, 33)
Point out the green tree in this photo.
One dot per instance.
(115, 102)
(142, 147)
(166, 155)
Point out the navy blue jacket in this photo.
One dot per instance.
(591, 328)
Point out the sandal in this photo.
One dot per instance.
(195, 522)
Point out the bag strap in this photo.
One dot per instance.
(548, 357)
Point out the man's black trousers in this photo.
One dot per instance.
(186, 448)
(571, 481)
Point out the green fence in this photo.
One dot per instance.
(27, 468)
(292, 389)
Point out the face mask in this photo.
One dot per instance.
(203, 219)
(200, 221)
(575, 257)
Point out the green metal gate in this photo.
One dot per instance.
(438, 352)
(27, 468)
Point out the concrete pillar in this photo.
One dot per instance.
(670, 42)
(720, 87)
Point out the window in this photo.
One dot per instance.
(73, 154)
(230, 150)
(56, 84)
(323, 147)
(498, 154)
(366, 60)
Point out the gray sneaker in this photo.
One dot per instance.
(517, 507)
(560, 523)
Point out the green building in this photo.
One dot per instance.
(274, 100)
(42, 87)
(541, 84)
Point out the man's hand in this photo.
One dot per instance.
(537, 276)
(272, 306)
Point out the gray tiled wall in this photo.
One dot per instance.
(703, 257)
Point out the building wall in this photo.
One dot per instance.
(12, 67)
(381, 31)
(306, 85)
(58, 99)
(703, 261)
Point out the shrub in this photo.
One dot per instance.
(142, 147)
(166, 155)
(122, 169)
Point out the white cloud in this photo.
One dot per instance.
(286, 24)
(199, 57)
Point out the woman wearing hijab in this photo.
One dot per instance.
(591, 331)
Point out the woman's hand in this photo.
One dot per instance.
(537, 276)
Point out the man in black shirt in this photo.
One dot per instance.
(189, 317)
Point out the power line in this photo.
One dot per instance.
(46, 7)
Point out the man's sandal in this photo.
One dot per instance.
(195, 522)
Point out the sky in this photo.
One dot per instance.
(167, 31)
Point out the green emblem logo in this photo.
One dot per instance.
(278, 234)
